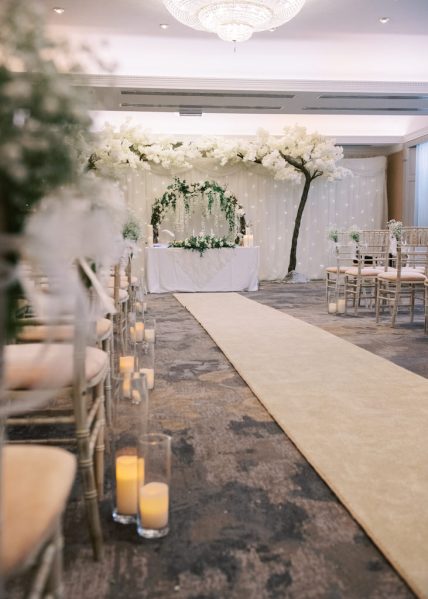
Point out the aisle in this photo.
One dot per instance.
(250, 518)
(359, 420)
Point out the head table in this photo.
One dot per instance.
(225, 269)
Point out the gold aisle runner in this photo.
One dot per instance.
(361, 421)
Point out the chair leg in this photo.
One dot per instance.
(107, 384)
(54, 586)
(395, 308)
(357, 296)
(99, 444)
(86, 468)
(412, 304)
(378, 299)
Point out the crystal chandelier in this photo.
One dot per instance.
(233, 20)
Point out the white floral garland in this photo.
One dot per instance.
(114, 151)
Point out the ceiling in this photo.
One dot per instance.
(333, 58)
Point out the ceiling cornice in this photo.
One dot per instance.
(296, 85)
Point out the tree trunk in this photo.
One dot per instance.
(293, 252)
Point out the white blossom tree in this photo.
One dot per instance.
(300, 155)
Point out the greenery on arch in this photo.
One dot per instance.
(190, 192)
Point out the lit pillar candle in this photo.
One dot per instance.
(126, 385)
(150, 376)
(126, 363)
(149, 335)
(341, 306)
(139, 331)
(332, 308)
(127, 483)
(153, 504)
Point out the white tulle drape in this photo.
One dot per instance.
(271, 206)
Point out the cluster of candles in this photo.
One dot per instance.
(142, 466)
(337, 307)
(248, 238)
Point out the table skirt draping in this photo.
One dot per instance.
(226, 269)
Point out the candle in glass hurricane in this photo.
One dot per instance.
(131, 410)
(154, 488)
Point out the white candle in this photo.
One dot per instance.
(126, 384)
(149, 231)
(332, 308)
(126, 363)
(150, 241)
(341, 306)
(139, 331)
(154, 504)
(250, 241)
(149, 335)
(127, 467)
(150, 376)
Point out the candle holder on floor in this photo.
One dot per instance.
(154, 485)
(146, 362)
(130, 424)
(149, 329)
(135, 327)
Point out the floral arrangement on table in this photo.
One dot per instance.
(354, 234)
(190, 192)
(296, 156)
(395, 228)
(200, 243)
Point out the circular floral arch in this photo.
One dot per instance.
(211, 190)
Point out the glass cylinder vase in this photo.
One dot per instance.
(130, 424)
(149, 329)
(146, 362)
(154, 453)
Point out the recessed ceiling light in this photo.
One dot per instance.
(59, 10)
(164, 26)
(384, 20)
(272, 30)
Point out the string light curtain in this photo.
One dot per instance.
(271, 206)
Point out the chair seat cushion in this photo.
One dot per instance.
(420, 269)
(123, 282)
(47, 366)
(104, 328)
(61, 332)
(123, 295)
(365, 272)
(333, 269)
(406, 275)
(36, 482)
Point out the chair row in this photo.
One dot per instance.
(380, 271)
(57, 381)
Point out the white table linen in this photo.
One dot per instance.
(226, 269)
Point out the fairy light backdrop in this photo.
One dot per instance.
(271, 206)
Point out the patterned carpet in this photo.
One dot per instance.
(250, 518)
